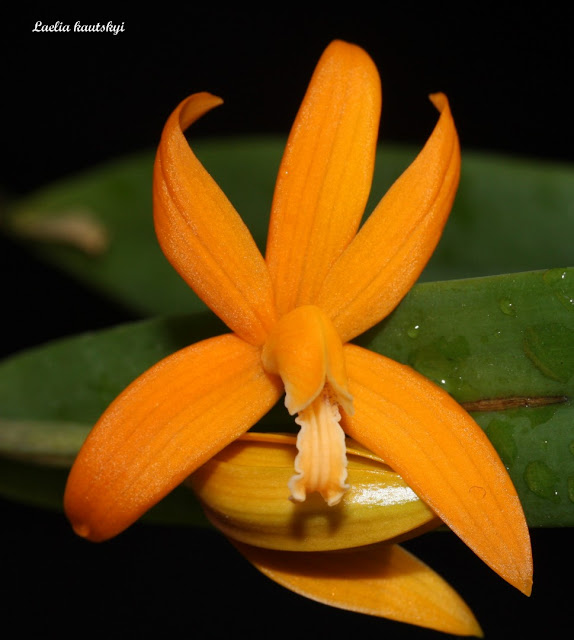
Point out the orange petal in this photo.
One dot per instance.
(325, 175)
(203, 236)
(161, 428)
(306, 351)
(393, 246)
(438, 449)
(381, 580)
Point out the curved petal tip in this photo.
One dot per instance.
(195, 106)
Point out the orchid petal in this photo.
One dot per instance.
(395, 243)
(162, 427)
(325, 175)
(444, 456)
(203, 236)
(379, 580)
(306, 351)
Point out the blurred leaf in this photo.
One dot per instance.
(73, 380)
(504, 339)
(44, 442)
(509, 215)
(40, 486)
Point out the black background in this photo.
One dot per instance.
(70, 101)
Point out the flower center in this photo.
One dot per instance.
(304, 348)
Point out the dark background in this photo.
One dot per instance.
(71, 101)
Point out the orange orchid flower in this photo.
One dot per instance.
(291, 316)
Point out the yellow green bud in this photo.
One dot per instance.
(244, 492)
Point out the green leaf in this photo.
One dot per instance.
(509, 215)
(52, 395)
(501, 344)
(74, 379)
(509, 338)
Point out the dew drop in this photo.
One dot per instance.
(545, 344)
(562, 285)
(500, 433)
(542, 480)
(413, 331)
(541, 415)
(552, 276)
(451, 384)
(507, 306)
(443, 361)
(477, 492)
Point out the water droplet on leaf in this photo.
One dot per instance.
(542, 480)
(540, 415)
(549, 347)
(507, 306)
(442, 361)
(500, 433)
(562, 284)
(413, 331)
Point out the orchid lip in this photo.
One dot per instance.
(306, 351)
